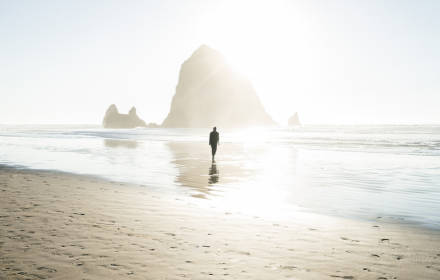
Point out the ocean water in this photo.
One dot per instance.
(363, 172)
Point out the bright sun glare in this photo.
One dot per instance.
(262, 40)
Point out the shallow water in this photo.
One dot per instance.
(353, 171)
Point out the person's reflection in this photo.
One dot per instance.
(213, 174)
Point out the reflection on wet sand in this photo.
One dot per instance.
(242, 166)
(213, 174)
(194, 159)
(255, 179)
(115, 143)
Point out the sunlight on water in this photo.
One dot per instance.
(346, 171)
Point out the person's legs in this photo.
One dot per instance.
(214, 149)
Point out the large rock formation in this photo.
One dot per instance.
(113, 119)
(210, 92)
(294, 120)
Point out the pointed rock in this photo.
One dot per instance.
(210, 92)
(294, 120)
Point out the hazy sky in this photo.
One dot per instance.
(331, 61)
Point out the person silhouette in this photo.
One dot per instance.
(214, 139)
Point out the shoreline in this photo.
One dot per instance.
(61, 225)
(361, 182)
(204, 202)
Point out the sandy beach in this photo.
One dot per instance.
(66, 226)
(219, 140)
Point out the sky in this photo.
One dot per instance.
(333, 62)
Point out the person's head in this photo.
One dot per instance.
(215, 128)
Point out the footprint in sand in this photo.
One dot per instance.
(289, 267)
(348, 239)
(343, 277)
(50, 270)
(384, 241)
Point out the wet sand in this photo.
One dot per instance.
(66, 226)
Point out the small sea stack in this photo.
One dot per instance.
(113, 119)
(294, 120)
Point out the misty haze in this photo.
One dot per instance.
(219, 139)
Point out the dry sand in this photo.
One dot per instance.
(64, 226)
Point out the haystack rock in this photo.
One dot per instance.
(210, 92)
(294, 120)
(113, 119)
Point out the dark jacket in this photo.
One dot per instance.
(214, 138)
